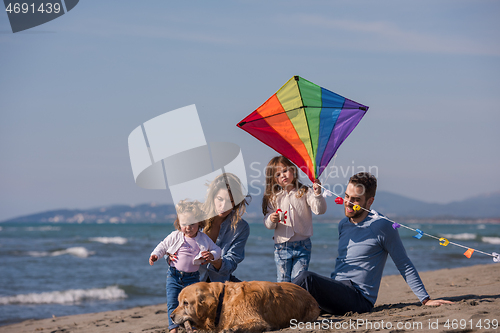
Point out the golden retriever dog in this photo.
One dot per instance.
(254, 306)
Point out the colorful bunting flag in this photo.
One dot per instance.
(469, 253)
(443, 241)
(419, 235)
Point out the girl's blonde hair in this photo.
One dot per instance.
(272, 186)
(193, 207)
(231, 183)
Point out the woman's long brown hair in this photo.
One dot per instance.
(231, 183)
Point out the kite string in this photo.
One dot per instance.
(423, 233)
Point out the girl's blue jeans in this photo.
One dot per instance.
(176, 280)
(292, 258)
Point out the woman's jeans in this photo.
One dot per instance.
(292, 258)
(176, 281)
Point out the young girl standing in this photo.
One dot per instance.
(288, 206)
(190, 247)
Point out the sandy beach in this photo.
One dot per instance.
(475, 291)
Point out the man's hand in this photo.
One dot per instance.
(436, 302)
(152, 259)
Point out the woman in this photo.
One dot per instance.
(224, 206)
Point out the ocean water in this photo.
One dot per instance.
(64, 269)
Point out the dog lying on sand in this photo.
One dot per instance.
(254, 306)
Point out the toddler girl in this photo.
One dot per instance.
(189, 248)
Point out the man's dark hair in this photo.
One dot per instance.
(368, 181)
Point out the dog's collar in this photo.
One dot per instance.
(219, 307)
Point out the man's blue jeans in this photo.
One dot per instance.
(292, 258)
(334, 297)
(176, 280)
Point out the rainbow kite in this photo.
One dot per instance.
(305, 123)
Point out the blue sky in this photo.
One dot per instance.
(73, 89)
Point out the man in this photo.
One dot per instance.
(365, 240)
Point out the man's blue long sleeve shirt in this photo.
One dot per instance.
(363, 250)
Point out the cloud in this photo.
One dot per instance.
(385, 36)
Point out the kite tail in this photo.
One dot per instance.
(442, 241)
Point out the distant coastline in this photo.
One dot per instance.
(480, 209)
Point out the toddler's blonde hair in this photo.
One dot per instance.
(193, 207)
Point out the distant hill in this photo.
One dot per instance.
(395, 205)
(389, 204)
(483, 206)
(111, 214)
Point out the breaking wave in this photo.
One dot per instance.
(109, 240)
(44, 228)
(491, 240)
(463, 236)
(67, 296)
(78, 251)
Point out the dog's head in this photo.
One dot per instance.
(198, 304)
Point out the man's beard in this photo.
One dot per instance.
(354, 214)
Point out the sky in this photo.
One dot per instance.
(73, 89)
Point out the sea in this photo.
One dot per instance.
(58, 269)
